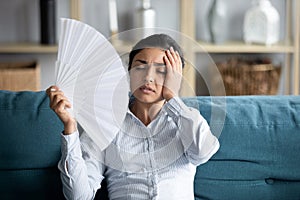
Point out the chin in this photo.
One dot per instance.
(147, 99)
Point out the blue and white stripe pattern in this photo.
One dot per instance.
(157, 161)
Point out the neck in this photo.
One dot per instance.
(146, 112)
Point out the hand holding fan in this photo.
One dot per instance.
(90, 73)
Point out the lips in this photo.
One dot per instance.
(147, 89)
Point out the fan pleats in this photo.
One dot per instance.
(90, 73)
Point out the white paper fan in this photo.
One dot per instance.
(90, 73)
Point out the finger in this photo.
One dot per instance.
(179, 61)
(175, 55)
(60, 97)
(176, 59)
(67, 104)
(55, 97)
(52, 88)
(64, 104)
(172, 51)
(168, 64)
(48, 91)
(170, 57)
(60, 108)
(52, 91)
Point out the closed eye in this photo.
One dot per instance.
(161, 70)
(143, 65)
(140, 67)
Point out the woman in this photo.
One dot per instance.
(161, 141)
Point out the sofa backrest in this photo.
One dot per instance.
(259, 149)
(258, 157)
(29, 147)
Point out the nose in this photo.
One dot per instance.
(149, 79)
(149, 76)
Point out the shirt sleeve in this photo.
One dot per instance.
(81, 174)
(195, 134)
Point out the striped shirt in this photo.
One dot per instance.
(157, 161)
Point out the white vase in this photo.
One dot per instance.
(262, 24)
(218, 21)
(145, 18)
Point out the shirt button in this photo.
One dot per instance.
(269, 181)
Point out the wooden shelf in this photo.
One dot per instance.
(27, 48)
(241, 47)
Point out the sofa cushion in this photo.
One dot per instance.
(30, 131)
(259, 149)
(29, 147)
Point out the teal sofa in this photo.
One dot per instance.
(259, 157)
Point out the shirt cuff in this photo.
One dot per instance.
(175, 107)
(70, 143)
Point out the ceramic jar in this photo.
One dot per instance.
(218, 21)
(262, 24)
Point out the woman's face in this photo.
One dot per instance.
(147, 75)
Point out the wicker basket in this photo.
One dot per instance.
(258, 77)
(18, 76)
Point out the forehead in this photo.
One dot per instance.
(150, 54)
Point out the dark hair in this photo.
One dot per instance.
(161, 41)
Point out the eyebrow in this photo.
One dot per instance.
(155, 63)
